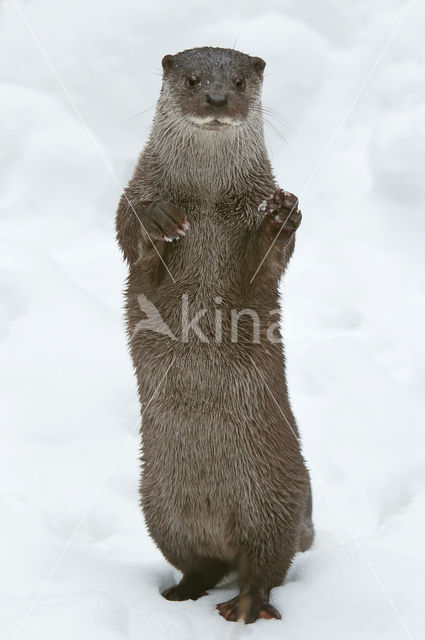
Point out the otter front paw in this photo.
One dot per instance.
(163, 221)
(282, 216)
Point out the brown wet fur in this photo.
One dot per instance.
(224, 484)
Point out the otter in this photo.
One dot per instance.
(205, 229)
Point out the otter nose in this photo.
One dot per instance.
(217, 99)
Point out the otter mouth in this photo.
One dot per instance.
(214, 124)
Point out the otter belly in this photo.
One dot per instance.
(185, 517)
(208, 462)
(191, 482)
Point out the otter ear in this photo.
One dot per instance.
(167, 63)
(258, 65)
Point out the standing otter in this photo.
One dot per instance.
(224, 483)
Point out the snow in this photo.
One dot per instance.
(75, 558)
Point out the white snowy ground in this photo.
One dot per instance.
(76, 561)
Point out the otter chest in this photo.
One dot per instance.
(212, 251)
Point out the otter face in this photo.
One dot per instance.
(213, 88)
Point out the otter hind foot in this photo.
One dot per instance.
(204, 574)
(248, 608)
(179, 593)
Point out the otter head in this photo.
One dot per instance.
(212, 88)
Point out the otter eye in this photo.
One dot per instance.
(240, 84)
(191, 81)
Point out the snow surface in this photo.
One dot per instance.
(75, 559)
